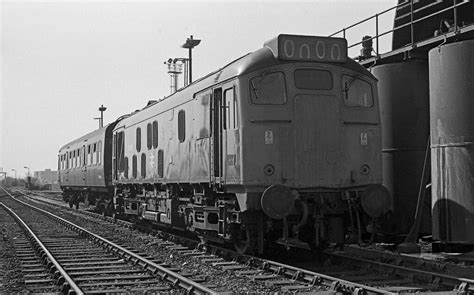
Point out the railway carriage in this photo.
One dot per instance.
(281, 145)
(85, 169)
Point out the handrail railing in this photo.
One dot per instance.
(411, 23)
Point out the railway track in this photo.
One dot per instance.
(256, 274)
(82, 262)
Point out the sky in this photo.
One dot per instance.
(61, 60)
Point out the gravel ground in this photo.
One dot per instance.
(215, 277)
(12, 281)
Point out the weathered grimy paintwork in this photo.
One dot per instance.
(404, 105)
(452, 141)
(83, 176)
(312, 141)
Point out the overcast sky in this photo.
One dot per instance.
(61, 60)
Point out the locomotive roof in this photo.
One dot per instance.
(248, 63)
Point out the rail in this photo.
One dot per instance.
(411, 23)
(68, 284)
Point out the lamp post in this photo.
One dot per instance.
(101, 110)
(190, 44)
(28, 177)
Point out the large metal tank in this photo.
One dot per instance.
(451, 68)
(404, 102)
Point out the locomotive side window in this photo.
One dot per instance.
(356, 92)
(181, 126)
(125, 164)
(155, 134)
(143, 165)
(134, 166)
(148, 136)
(312, 79)
(160, 163)
(139, 139)
(230, 109)
(121, 151)
(268, 88)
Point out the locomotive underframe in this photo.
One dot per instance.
(320, 216)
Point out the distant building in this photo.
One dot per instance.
(47, 177)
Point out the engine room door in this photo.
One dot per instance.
(217, 134)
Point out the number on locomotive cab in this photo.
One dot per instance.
(309, 48)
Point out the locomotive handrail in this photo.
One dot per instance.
(411, 23)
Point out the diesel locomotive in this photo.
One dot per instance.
(282, 145)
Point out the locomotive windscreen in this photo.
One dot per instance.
(308, 48)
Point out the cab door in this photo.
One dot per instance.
(217, 136)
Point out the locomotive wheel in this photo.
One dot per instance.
(243, 241)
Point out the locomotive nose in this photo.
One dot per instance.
(277, 201)
(376, 200)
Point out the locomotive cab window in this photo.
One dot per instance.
(268, 88)
(312, 79)
(356, 92)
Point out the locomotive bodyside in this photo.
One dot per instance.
(273, 144)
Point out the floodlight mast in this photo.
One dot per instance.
(190, 44)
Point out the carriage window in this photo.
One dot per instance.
(160, 163)
(155, 134)
(268, 88)
(148, 136)
(94, 154)
(312, 79)
(356, 92)
(99, 152)
(134, 166)
(81, 157)
(143, 165)
(89, 155)
(181, 126)
(139, 139)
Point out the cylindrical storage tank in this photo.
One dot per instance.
(451, 69)
(404, 103)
